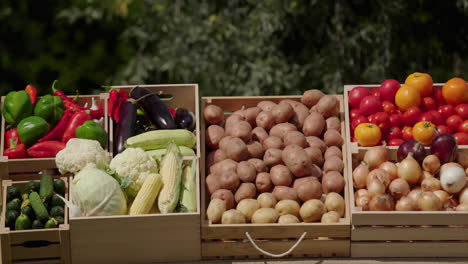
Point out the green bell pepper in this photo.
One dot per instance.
(92, 130)
(50, 108)
(31, 129)
(17, 106)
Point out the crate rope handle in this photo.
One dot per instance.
(276, 255)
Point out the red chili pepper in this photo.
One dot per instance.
(68, 102)
(113, 101)
(96, 113)
(11, 134)
(32, 92)
(173, 112)
(15, 151)
(57, 132)
(76, 120)
(123, 97)
(45, 149)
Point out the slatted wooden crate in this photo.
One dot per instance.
(230, 241)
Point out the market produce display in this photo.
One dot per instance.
(418, 110)
(36, 204)
(39, 127)
(419, 179)
(275, 162)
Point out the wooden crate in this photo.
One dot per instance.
(230, 241)
(175, 95)
(36, 245)
(18, 165)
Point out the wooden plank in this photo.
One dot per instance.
(408, 249)
(23, 253)
(409, 233)
(41, 261)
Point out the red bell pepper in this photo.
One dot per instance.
(77, 119)
(15, 151)
(11, 134)
(123, 97)
(32, 92)
(45, 149)
(59, 129)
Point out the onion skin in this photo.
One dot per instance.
(444, 198)
(428, 201)
(462, 207)
(445, 147)
(409, 169)
(361, 192)
(380, 175)
(360, 175)
(425, 175)
(430, 185)
(363, 202)
(376, 156)
(390, 168)
(404, 204)
(411, 146)
(399, 188)
(431, 164)
(414, 196)
(463, 197)
(382, 202)
(375, 188)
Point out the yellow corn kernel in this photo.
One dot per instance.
(171, 173)
(147, 195)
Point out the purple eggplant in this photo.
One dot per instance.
(126, 126)
(184, 119)
(157, 112)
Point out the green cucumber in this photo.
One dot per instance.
(57, 211)
(22, 222)
(13, 192)
(59, 219)
(27, 210)
(14, 204)
(36, 224)
(56, 201)
(10, 218)
(32, 186)
(38, 207)
(47, 187)
(51, 223)
(59, 187)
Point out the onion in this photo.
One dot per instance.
(414, 196)
(431, 163)
(443, 197)
(411, 146)
(453, 179)
(376, 156)
(446, 165)
(383, 202)
(428, 201)
(360, 175)
(430, 184)
(361, 192)
(425, 175)
(404, 204)
(375, 187)
(363, 202)
(445, 147)
(399, 188)
(409, 169)
(390, 168)
(463, 158)
(462, 207)
(463, 197)
(380, 175)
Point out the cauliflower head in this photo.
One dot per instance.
(132, 166)
(80, 153)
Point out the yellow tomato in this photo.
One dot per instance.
(367, 134)
(424, 132)
(455, 91)
(407, 97)
(422, 82)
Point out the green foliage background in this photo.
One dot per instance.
(235, 47)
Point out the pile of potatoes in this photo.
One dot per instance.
(276, 162)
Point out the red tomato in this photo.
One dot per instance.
(427, 103)
(353, 139)
(370, 105)
(376, 93)
(393, 133)
(437, 95)
(353, 114)
(443, 130)
(395, 142)
(356, 95)
(358, 120)
(462, 138)
(446, 111)
(453, 122)
(382, 120)
(411, 116)
(437, 117)
(427, 117)
(396, 121)
(463, 127)
(407, 133)
(389, 107)
(462, 111)
(388, 90)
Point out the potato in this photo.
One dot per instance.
(263, 182)
(246, 171)
(231, 121)
(241, 129)
(315, 155)
(210, 159)
(285, 193)
(267, 200)
(259, 165)
(297, 160)
(299, 181)
(316, 171)
(288, 219)
(219, 155)
(215, 210)
(272, 157)
(333, 182)
(335, 202)
(265, 120)
(255, 150)
(333, 123)
(295, 138)
(213, 114)
(333, 138)
(333, 163)
(247, 207)
(327, 105)
(213, 135)
(226, 196)
(225, 165)
(281, 176)
(285, 207)
(259, 134)
(224, 142)
(312, 211)
(280, 130)
(250, 114)
(300, 113)
(233, 217)
(265, 216)
(311, 97)
(313, 125)
(237, 150)
(229, 180)
(266, 105)
(330, 217)
(307, 190)
(333, 151)
(212, 183)
(246, 190)
(282, 112)
(314, 142)
(273, 142)
(292, 103)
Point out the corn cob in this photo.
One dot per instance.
(171, 172)
(158, 153)
(147, 194)
(159, 139)
(188, 197)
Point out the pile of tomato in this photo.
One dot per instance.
(393, 113)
